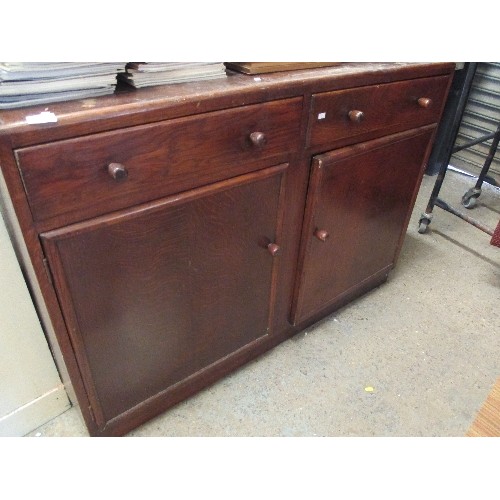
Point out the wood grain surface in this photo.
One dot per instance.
(360, 196)
(131, 107)
(169, 231)
(255, 68)
(487, 421)
(155, 295)
(385, 108)
(67, 181)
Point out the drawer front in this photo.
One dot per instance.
(343, 116)
(75, 179)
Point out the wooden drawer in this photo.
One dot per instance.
(343, 117)
(72, 180)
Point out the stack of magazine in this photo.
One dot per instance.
(27, 84)
(142, 74)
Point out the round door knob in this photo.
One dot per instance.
(356, 116)
(258, 139)
(117, 171)
(425, 102)
(321, 234)
(273, 249)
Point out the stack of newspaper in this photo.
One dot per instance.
(142, 74)
(27, 84)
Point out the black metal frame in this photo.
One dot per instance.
(452, 117)
(445, 147)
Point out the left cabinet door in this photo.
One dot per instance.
(156, 294)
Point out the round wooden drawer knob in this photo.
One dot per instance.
(258, 139)
(356, 116)
(273, 249)
(321, 234)
(117, 171)
(425, 102)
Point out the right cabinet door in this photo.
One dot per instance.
(358, 205)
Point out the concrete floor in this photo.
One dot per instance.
(427, 341)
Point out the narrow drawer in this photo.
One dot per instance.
(376, 110)
(80, 178)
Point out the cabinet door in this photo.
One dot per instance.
(358, 204)
(154, 295)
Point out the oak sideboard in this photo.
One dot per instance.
(171, 234)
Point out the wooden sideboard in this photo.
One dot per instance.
(174, 233)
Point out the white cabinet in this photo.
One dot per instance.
(31, 392)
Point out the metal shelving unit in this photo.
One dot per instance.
(446, 146)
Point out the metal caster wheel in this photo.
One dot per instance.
(469, 202)
(425, 220)
(422, 227)
(469, 199)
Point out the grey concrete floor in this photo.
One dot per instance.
(427, 341)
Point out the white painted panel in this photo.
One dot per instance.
(31, 392)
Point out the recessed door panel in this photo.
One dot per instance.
(358, 201)
(154, 295)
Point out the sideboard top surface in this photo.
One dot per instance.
(129, 107)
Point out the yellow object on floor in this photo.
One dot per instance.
(487, 422)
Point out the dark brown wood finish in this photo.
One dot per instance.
(182, 284)
(130, 107)
(348, 115)
(70, 180)
(360, 196)
(172, 218)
